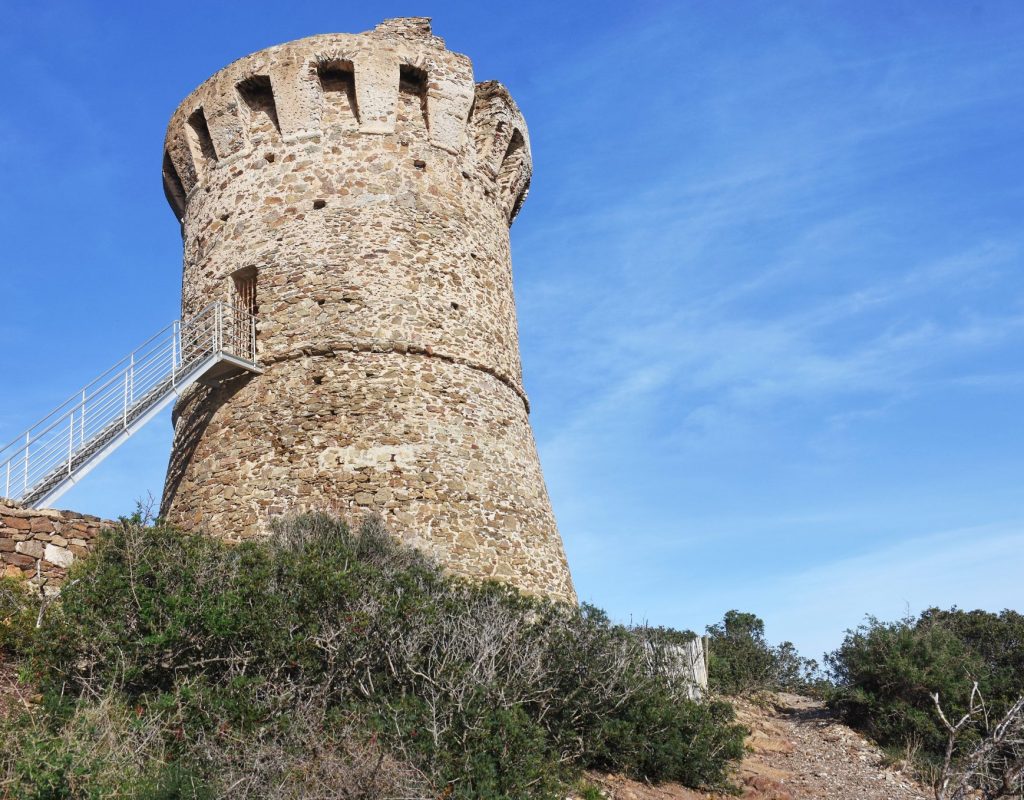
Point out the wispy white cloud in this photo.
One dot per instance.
(721, 363)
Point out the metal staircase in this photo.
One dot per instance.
(58, 451)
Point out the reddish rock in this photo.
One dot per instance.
(18, 523)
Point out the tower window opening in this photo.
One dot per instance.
(510, 172)
(337, 80)
(258, 95)
(173, 187)
(245, 307)
(412, 97)
(512, 160)
(204, 154)
(520, 199)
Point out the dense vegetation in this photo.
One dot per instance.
(329, 663)
(884, 679)
(742, 662)
(886, 672)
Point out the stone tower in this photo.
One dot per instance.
(356, 191)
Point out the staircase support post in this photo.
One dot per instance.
(175, 333)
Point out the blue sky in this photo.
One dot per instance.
(769, 277)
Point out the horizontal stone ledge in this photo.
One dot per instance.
(384, 346)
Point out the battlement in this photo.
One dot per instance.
(334, 85)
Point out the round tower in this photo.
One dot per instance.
(356, 192)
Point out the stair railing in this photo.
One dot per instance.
(66, 437)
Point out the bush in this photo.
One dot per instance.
(99, 749)
(742, 662)
(324, 662)
(18, 611)
(886, 672)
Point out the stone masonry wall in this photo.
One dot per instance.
(368, 183)
(443, 452)
(41, 544)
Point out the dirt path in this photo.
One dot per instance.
(798, 752)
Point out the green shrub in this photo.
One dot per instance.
(886, 672)
(98, 749)
(18, 610)
(324, 662)
(655, 739)
(742, 662)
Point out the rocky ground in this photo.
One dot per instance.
(798, 751)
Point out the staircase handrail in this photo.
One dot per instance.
(157, 362)
(76, 397)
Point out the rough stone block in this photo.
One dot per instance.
(17, 523)
(30, 548)
(59, 556)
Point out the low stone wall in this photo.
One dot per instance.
(40, 544)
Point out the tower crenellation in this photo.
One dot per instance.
(357, 190)
(322, 85)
